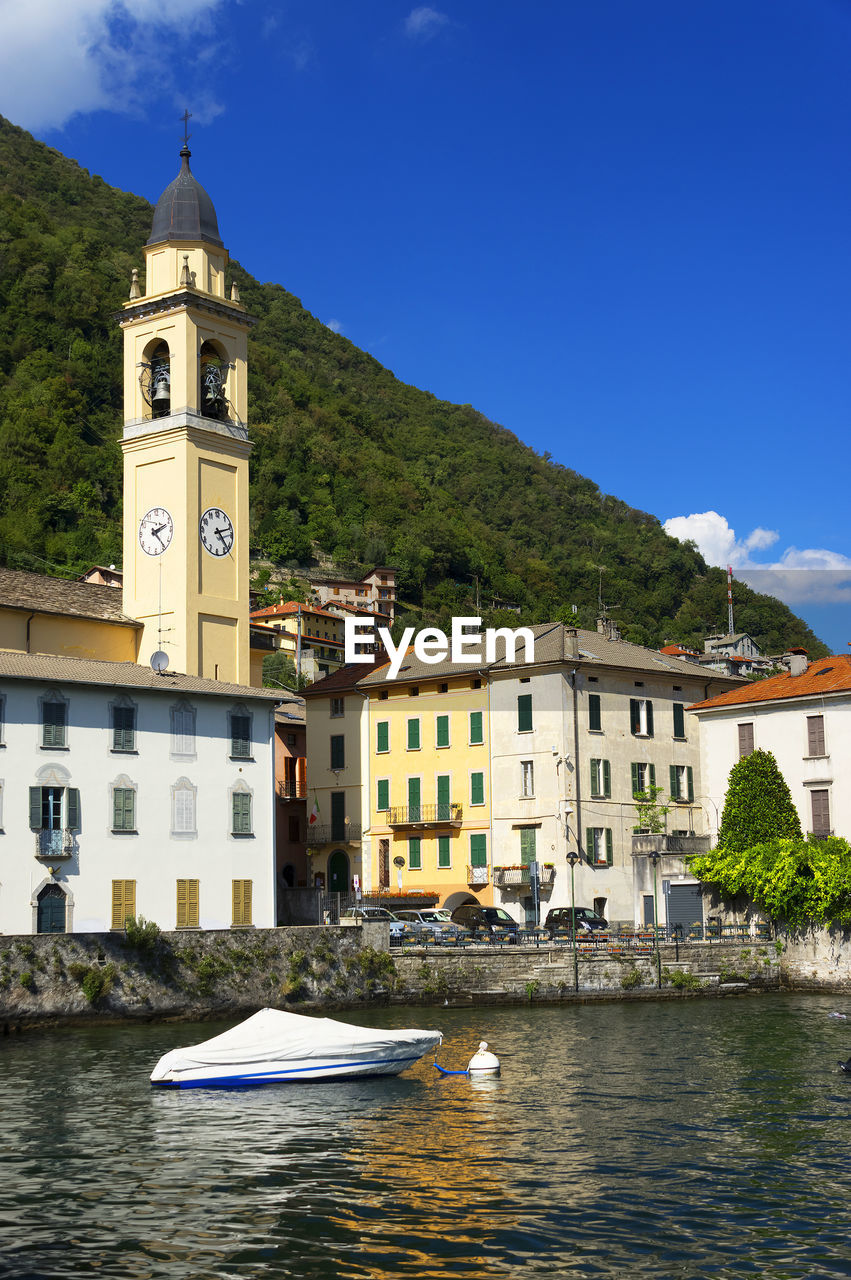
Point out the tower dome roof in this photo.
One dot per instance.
(184, 210)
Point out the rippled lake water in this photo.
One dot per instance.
(622, 1140)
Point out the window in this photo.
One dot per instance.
(477, 788)
(53, 723)
(527, 778)
(183, 730)
(442, 731)
(241, 903)
(820, 806)
(601, 779)
(338, 751)
(413, 735)
(598, 846)
(382, 736)
(443, 854)
(383, 695)
(444, 688)
(241, 813)
(53, 812)
(641, 717)
(444, 807)
(815, 736)
(478, 849)
(294, 829)
(123, 809)
(475, 684)
(679, 720)
(383, 794)
(240, 735)
(527, 845)
(415, 854)
(123, 728)
(338, 816)
(643, 778)
(595, 719)
(183, 808)
(524, 713)
(187, 904)
(745, 740)
(384, 864)
(123, 903)
(477, 736)
(682, 782)
(414, 691)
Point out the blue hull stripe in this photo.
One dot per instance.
(262, 1077)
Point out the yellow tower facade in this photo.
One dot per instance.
(186, 445)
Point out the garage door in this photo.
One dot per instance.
(685, 905)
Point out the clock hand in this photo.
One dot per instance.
(218, 534)
(156, 532)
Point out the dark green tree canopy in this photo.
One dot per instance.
(349, 463)
(758, 806)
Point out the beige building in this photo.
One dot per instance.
(375, 592)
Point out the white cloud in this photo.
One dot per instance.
(335, 326)
(59, 58)
(809, 575)
(424, 22)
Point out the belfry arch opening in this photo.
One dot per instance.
(214, 367)
(155, 378)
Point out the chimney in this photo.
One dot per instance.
(571, 644)
(796, 661)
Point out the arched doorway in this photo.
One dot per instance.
(338, 872)
(51, 910)
(458, 900)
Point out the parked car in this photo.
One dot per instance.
(561, 920)
(400, 930)
(435, 921)
(490, 920)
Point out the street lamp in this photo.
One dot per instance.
(654, 858)
(573, 857)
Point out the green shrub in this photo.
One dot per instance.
(681, 980)
(141, 934)
(631, 979)
(96, 980)
(758, 805)
(26, 980)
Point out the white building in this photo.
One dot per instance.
(804, 718)
(128, 793)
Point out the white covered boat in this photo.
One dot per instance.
(273, 1045)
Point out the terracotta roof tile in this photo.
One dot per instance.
(827, 675)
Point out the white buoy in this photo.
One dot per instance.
(483, 1062)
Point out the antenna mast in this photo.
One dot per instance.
(729, 599)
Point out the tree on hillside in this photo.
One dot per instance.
(758, 806)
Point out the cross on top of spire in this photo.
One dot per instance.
(186, 117)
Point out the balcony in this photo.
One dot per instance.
(425, 815)
(665, 844)
(477, 876)
(519, 877)
(51, 845)
(291, 790)
(333, 833)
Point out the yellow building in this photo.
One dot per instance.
(427, 786)
(312, 637)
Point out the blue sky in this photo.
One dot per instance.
(618, 227)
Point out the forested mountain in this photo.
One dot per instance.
(348, 462)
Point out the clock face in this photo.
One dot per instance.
(216, 531)
(156, 530)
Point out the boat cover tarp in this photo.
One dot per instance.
(275, 1036)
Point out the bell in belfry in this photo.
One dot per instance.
(161, 389)
(213, 392)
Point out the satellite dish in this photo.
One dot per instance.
(159, 661)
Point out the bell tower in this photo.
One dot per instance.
(186, 445)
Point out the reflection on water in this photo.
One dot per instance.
(669, 1139)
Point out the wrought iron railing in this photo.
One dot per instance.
(478, 875)
(292, 790)
(333, 833)
(54, 843)
(425, 815)
(507, 876)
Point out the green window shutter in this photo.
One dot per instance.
(609, 848)
(636, 786)
(595, 766)
(383, 793)
(122, 808)
(527, 845)
(478, 850)
(443, 859)
(477, 788)
(652, 771)
(241, 814)
(73, 814)
(476, 735)
(595, 720)
(607, 779)
(35, 808)
(53, 731)
(240, 736)
(413, 735)
(589, 844)
(443, 812)
(673, 774)
(524, 713)
(443, 731)
(634, 715)
(414, 799)
(649, 719)
(679, 720)
(690, 782)
(338, 751)
(415, 856)
(382, 735)
(123, 728)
